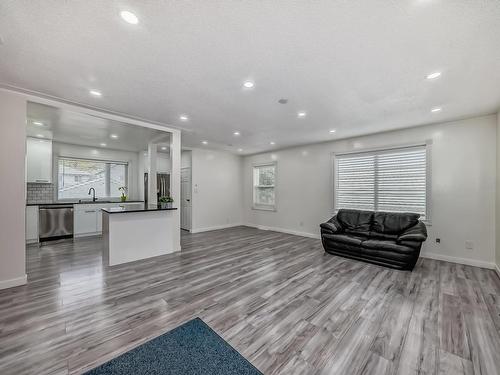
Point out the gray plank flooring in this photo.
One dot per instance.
(278, 299)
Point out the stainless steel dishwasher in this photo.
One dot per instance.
(55, 222)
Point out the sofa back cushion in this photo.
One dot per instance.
(393, 222)
(355, 222)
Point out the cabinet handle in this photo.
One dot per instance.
(42, 180)
(89, 211)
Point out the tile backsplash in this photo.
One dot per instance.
(40, 193)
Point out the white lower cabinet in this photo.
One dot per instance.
(88, 218)
(85, 221)
(31, 224)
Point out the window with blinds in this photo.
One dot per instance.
(386, 180)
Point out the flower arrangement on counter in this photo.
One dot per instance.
(123, 196)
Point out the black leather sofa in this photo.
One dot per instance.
(385, 238)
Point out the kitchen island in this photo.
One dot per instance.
(137, 232)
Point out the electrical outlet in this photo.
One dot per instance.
(469, 245)
(438, 240)
(301, 224)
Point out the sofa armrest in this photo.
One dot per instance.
(416, 233)
(332, 225)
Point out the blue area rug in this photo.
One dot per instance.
(190, 349)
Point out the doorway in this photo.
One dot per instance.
(186, 201)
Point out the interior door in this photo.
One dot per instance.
(186, 198)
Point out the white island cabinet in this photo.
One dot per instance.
(135, 233)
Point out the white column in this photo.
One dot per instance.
(151, 165)
(175, 185)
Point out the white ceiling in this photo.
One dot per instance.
(355, 66)
(86, 130)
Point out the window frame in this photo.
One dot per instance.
(107, 183)
(428, 170)
(264, 207)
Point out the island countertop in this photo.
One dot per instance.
(135, 208)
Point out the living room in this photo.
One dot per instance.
(333, 202)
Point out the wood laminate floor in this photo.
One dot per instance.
(281, 301)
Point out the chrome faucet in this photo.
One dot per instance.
(93, 194)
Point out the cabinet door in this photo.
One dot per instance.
(85, 221)
(31, 223)
(39, 160)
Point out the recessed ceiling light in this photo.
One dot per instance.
(434, 75)
(103, 144)
(240, 150)
(436, 109)
(40, 136)
(95, 93)
(301, 114)
(163, 148)
(272, 143)
(248, 84)
(204, 142)
(183, 118)
(332, 131)
(236, 133)
(129, 17)
(114, 136)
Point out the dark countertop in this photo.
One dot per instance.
(78, 202)
(123, 210)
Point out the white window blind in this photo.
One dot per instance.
(386, 180)
(264, 179)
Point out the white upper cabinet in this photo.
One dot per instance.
(39, 160)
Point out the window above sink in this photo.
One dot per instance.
(76, 176)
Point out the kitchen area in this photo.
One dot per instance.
(80, 169)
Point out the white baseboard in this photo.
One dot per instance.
(4, 284)
(217, 227)
(466, 261)
(287, 231)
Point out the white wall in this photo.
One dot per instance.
(498, 198)
(186, 159)
(84, 152)
(12, 188)
(463, 186)
(217, 189)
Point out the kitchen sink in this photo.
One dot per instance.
(97, 201)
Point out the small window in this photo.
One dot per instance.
(393, 180)
(264, 181)
(77, 176)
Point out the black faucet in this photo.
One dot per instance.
(93, 194)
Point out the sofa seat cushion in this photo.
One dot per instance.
(355, 220)
(387, 246)
(346, 239)
(393, 222)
